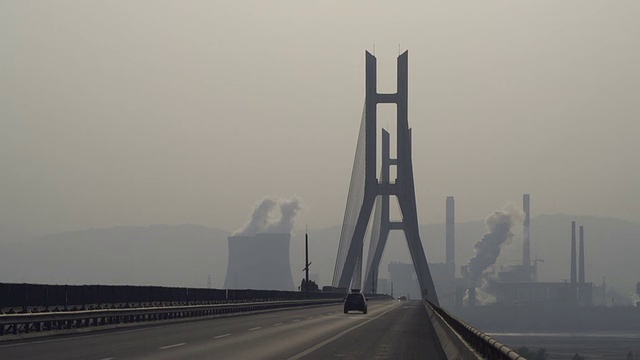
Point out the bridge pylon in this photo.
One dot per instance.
(366, 190)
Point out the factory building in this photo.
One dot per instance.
(513, 284)
(510, 284)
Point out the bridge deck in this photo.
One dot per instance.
(391, 329)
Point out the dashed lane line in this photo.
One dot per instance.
(277, 324)
(255, 328)
(171, 346)
(296, 320)
(221, 336)
(319, 345)
(83, 336)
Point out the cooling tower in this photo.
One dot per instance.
(259, 262)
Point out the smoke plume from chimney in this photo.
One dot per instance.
(272, 216)
(487, 249)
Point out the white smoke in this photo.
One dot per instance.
(272, 216)
(483, 297)
(487, 249)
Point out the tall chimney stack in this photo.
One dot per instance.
(526, 235)
(450, 236)
(581, 257)
(472, 296)
(573, 254)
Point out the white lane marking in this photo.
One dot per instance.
(83, 337)
(107, 359)
(171, 346)
(353, 316)
(318, 346)
(277, 324)
(221, 336)
(104, 334)
(296, 320)
(309, 317)
(255, 328)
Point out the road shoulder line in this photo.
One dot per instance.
(337, 336)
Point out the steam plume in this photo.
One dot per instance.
(271, 215)
(487, 249)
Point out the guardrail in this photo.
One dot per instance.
(453, 331)
(47, 321)
(25, 298)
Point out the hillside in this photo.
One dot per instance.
(184, 255)
(178, 255)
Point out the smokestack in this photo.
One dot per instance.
(581, 257)
(450, 236)
(472, 296)
(526, 234)
(573, 253)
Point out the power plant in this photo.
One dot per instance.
(259, 262)
(259, 251)
(509, 284)
(518, 284)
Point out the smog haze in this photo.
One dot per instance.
(149, 112)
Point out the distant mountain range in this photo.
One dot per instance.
(185, 255)
(169, 255)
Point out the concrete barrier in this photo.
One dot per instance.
(460, 340)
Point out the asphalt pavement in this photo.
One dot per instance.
(390, 330)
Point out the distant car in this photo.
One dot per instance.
(355, 300)
(402, 298)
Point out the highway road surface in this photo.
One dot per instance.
(390, 330)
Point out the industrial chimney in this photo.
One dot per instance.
(573, 254)
(526, 234)
(472, 296)
(581, 258)
(450, 237)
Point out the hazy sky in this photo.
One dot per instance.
(145, 112)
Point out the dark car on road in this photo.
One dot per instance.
(355, 300)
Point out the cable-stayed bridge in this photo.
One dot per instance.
(365, 190)
(103, 322)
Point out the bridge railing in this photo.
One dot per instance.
(23, 298)
(35, 308)
(461, 340)
(14, 324)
